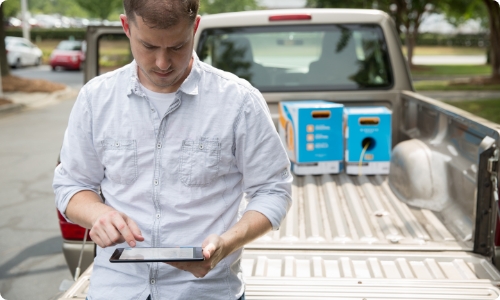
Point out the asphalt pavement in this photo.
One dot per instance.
(71, 78)
(32, 265)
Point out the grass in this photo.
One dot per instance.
(444, 85)
(488, 108)
(47, 46)
(451, 70)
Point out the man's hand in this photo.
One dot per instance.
(215, 248)
(114, 227)
(214, 251)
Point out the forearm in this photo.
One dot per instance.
(251, 226)
(85, 207)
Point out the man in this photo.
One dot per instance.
(172, 144)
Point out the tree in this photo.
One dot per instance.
(488, 11)
(99, 8)
(494, 19)
(67, 8)
(11, 8)
(3, 54)
(220, 6)
(407, 14)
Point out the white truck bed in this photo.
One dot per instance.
(335, 212)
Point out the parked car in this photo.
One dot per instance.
(68, 55)
(21, 52)
(356, 237)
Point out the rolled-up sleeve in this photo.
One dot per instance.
(80, 168)
(262, 160)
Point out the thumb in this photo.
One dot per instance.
(209, 246)
(134, 229)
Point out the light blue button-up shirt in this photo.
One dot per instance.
(180, 177)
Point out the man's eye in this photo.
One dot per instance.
(178, 48)
(148, 47)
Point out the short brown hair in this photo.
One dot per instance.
(161, 14)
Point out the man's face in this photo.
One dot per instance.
(163, 55)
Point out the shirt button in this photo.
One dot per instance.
(153, 281)
(158, 146)
(117, 144)
(157, 216)
(201, 147)
(152, 110)
(156, 181)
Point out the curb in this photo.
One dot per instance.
(11, 108)
(26, 101)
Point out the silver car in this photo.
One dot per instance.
(21, 52)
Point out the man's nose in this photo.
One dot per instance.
(163, 61)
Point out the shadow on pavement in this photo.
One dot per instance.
(47, 247)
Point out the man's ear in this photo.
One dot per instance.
(197, 23)
(125, 25)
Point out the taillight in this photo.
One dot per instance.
(70, 231)
(296, 17)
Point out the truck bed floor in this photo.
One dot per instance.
(361, 212)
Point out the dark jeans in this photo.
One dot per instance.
(242, 297)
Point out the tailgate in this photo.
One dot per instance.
(368, 275)
(294, 274)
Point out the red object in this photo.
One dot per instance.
(71, 231)
(290, 17)
(68, 54)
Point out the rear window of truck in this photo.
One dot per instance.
(301, 58)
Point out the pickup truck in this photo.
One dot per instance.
(424, 231)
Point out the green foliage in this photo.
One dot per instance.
(99, 8)
(451, 70)
(220, 6)
(11, 8)
(459, 11)
(445, 85)
(49, 34)
(67, 8)
(381, 4)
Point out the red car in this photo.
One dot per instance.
(68, 55)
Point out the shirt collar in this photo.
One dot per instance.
(189, 86)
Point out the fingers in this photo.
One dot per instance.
(134, 229)
(112, 228)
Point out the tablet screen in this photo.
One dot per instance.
(157, 253)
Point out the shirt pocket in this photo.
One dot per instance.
(120, 160)
(199, 162)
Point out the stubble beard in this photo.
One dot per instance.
(159, 83)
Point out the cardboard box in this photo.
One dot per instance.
(311, 132)
(368, 137)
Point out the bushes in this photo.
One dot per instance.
(49, 34)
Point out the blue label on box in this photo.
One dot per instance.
(370, 128)
(312, 130)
